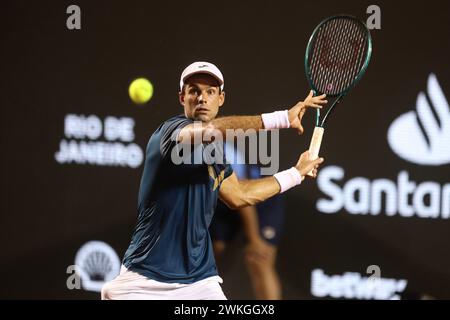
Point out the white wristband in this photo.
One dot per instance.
(288, 178)
(276, 120)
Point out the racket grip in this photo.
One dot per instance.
(314, 146)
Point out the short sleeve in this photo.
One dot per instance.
(169, 133)
(228, 171)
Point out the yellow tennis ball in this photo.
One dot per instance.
(140, 90)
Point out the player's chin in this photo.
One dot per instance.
(203, 117)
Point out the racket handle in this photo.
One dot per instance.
(314, 147)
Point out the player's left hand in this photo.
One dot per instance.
(296, 112)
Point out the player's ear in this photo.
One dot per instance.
(221, 98)
(181, 97)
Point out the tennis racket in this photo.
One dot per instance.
(336, 58)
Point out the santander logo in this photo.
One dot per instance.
(422, 136)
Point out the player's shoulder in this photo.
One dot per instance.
(171, 123)
(166, 133)
(177, 119)
(174, 122)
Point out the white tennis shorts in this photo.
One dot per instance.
(129, 285)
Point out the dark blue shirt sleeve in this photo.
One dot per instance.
(169, 133)
(228, 171)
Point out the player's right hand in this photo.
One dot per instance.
(306, 165)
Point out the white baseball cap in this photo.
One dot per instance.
(201, 67)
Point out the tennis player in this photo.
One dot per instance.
(171, 255)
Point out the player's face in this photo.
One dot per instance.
(201, 97)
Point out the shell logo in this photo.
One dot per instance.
(96, 263)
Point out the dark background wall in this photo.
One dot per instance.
(49, 210)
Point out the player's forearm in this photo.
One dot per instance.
(241, 193)
(258, 190)
(255, 191)
(233, 123)
(273, 120)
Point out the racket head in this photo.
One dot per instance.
(337, 55)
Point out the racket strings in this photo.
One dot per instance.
(352, 67)
(337, 55)
(334, 57)
(343, 77)
(321, 55)
(340, 50)
(343, 68)
(356, 57)
(323, 50)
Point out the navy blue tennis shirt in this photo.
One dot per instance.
(171, 241)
